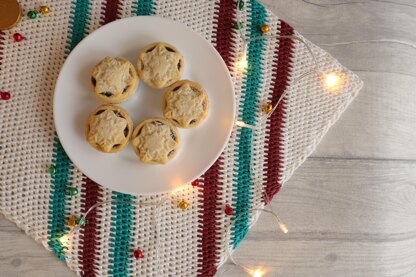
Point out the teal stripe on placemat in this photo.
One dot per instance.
(121, 241)
(61, 180)
(58, 198)
(242, 196)
(144, 7)
(123, 214)
(78, 19)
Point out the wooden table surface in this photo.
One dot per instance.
(351, 208)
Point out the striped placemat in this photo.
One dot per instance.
(174, 242)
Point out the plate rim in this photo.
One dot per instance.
(102, 29)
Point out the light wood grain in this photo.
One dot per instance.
(22, 256)
(351, 208)
(380, 122)
(345, 217)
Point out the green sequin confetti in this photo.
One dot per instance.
(241, 5)
(81, 221)
(239, 26)
(32, 14)
(52, 170)
(72, 191)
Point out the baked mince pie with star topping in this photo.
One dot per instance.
(114, 80)
(155, 141)
(109, 128)
(160, 64)
(186, 104)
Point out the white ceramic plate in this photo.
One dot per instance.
(123, 171)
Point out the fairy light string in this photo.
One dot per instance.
(64, 239)
(259, 210)
(333, 82)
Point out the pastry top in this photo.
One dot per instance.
(186, 104)
(114, 79)
(155, 141)
(109, 128)
(160, 64)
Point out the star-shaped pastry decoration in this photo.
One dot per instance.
(107, 130)
(186, 103)
(112, 75)
(155, 144)
(161, 65)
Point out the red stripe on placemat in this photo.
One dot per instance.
(225, 15)
(208, 247)
(281, 76)
(90, 195)
(110, 11)
(91, 191)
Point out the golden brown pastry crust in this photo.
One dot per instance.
(114, 80)
(160, 64)
(109, 128)
(155, 141)
(186, 104)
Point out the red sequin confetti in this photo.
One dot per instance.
(5, 95)
(138, 254)
(196, 183)
(228, 210)
(18, 37)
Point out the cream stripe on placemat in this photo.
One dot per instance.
(29, 71)
(311, 92)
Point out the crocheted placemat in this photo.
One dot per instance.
(189, 242)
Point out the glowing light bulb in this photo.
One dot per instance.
(178, 188)
(244, 125)
(332, 80)
(258, 273)
(64, 240)
(242, 63)
(240, 123)
(282, 227)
